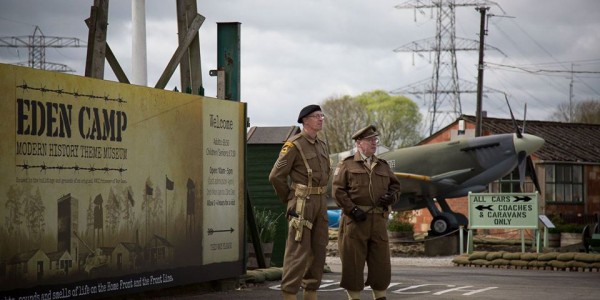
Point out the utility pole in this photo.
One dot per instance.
(37, 44)
(482, 32)
(571, 96)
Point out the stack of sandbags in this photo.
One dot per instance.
(569, 261)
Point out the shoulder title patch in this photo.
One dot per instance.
(286, 147)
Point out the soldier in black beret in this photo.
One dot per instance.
(299, 177)
(307, 111)
(365, 187)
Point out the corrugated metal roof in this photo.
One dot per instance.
(271, 135)
(565, 142)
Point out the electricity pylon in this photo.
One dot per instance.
(37, 44)
(445, 87)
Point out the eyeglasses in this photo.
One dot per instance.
(374, 140)
(318, 116)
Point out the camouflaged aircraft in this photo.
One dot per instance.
(432, 173)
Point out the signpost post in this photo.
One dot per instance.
(502, 210)
(547, 225)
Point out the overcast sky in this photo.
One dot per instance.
(295, 53)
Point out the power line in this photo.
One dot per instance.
(542, 70)
(576, 62)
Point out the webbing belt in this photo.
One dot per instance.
(315, 190)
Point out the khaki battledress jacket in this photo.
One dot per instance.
(356, 184)
(304, 260)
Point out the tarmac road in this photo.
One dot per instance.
(439, 279)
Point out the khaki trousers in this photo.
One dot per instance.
(303, 261)
(360, 243)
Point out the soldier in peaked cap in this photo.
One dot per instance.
(365, 187)
(304, 159)
(365, 133)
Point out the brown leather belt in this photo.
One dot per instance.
(315, 190)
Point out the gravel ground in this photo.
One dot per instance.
(438, 261)
(403, 254)
(412, 253)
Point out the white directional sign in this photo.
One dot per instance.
(503, 210)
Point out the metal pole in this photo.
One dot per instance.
(478, 122)
(139, 52)
(228, 57)
(522, 240)
(461, 239)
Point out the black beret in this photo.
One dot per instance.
(366, 132)
(307, 111)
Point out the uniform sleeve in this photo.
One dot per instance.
(340, 189)
(394, 186)
(281, 170)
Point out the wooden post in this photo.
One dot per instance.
(190, 66)
(260, 256)
(179, 53)
(112, 60)
(96, 51)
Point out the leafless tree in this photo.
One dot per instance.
(14, 216)
(34, 211)
(113, 212)
(587, 112)
(344, 117)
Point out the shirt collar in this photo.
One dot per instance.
(359, 156)
(310, 139)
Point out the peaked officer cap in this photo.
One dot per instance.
(366, 132)
(307, 111)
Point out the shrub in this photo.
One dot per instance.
(266, 221)
(571, 228)
(399, 222)
(561, 226)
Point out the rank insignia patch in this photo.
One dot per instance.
(280, 163)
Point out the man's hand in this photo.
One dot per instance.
(357, 214)
(386, 200)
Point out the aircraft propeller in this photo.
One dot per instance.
(525, 163)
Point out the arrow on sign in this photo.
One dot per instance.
(523, 198)
(482, 207)
(211, 231)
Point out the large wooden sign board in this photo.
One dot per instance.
(114, 188)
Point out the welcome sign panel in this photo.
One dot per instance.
(106, 180)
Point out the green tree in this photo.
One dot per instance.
(396, 117)
(587, 112)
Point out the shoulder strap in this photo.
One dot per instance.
(308, 169)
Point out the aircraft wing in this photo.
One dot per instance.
(444, 178)
(415, 188)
